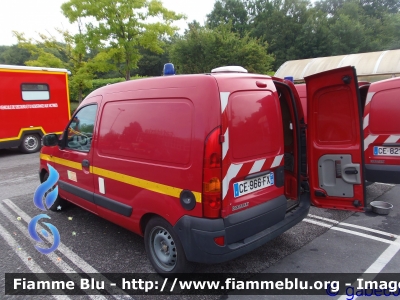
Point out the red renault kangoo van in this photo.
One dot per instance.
(382, 131)
(208, 167)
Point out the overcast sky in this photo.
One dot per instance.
(32, 16)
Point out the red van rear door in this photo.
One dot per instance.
(252, 151)
(334, 140)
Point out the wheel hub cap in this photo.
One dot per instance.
(163, 248)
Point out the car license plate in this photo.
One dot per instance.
(388, 151)
(251, 185)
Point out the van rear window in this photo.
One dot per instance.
(150, 130)
(384, 116)
(255, 128)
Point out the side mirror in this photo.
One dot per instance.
(50, 140)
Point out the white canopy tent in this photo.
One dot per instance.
(370, 66)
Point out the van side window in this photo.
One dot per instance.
(35, 91)
(80, 129)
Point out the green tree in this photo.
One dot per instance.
(201, 49)
(13, 55)
(280, 23)
(233, 11)
(151, 63)
(313, 39)
(125, 26)
(361, 25)
(39, 56)
(72, 54)
(390, 32)
(374, 8)
(347, 32)
(296, 29)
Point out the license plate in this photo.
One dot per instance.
(251, 185)
(387, 151)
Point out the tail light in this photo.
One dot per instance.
(212, 173)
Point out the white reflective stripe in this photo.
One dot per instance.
(277, 161)
(224, 100)
(392, 139)
(225, 144)
(232, 172)
(257, 166)
(368, 140)
(366, 121)
(369, 97)
(102, 187)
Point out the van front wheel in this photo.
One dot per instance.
(164, 248)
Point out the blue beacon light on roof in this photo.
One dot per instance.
(290, 78)
(169, 69)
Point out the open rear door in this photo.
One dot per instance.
(334, 140)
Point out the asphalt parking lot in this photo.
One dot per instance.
(327, 241)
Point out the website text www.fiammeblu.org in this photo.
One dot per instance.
(350, 285)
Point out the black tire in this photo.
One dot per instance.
(164, 249)
(60, 204)
(30, 143)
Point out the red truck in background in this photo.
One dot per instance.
(381, 123)
(33, 101)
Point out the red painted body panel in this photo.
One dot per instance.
(178, 129)
(252, 120)
(381, 120)
(84, 179)
(334, 127)
(302, 91)
(17, 114)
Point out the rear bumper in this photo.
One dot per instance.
(242, 231)
(383, 173)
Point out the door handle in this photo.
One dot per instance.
(85, 163)
(351, 172)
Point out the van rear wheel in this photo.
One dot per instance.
(30, 143)
(164, 248)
